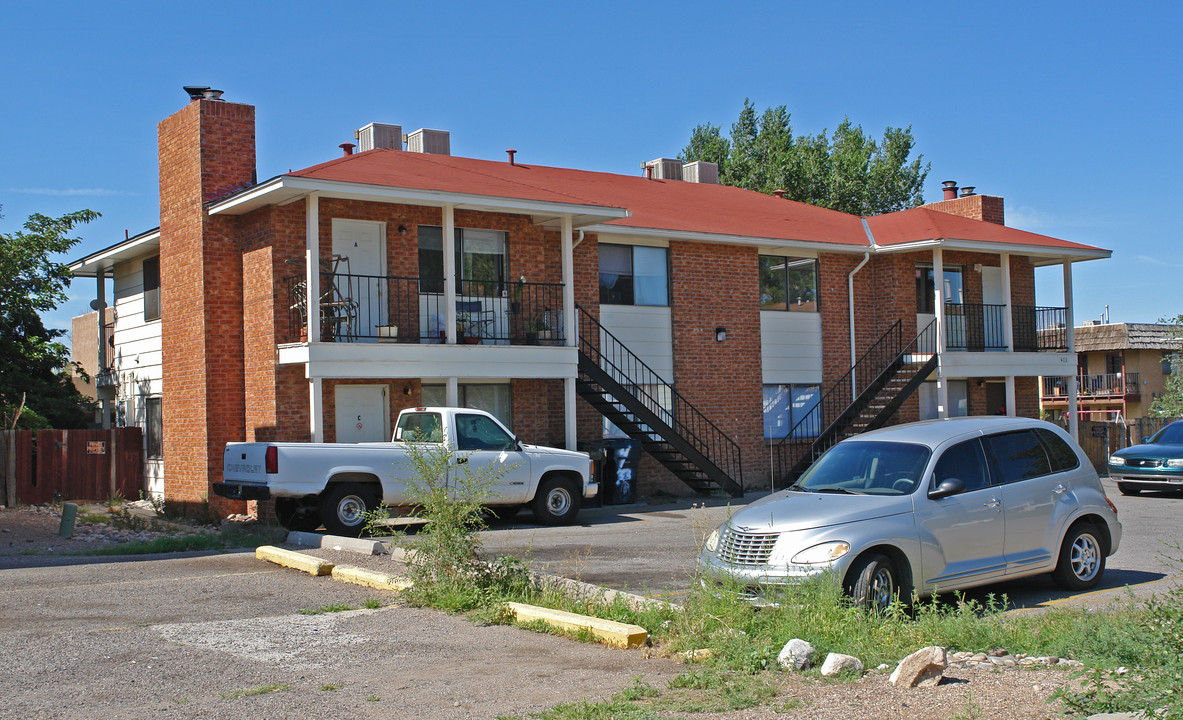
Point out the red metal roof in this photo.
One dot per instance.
(919, 224)
(653, 204)
(670, 205)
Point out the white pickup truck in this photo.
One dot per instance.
(337, 484)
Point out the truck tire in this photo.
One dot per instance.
(556, 503)
(292, 515)
(343, 508)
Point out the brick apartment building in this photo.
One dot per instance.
(733, 333)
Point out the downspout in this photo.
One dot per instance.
(850, 303)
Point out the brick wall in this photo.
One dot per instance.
(206, 151)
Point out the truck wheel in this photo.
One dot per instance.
(294, 516)
(343, 508)
(556, 502)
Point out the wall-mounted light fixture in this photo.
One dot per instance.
(402, 230)
(720, 334)
(407, 389)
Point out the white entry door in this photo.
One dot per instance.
(361, 247)
(362, 413)
(992, 294)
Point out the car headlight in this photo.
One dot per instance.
(823, 553)
(712, 542)
(1115, 460)
(1175, 462)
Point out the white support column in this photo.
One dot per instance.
(568, 268)
(101, 328)
(1070, 338)
(312, 266)
(569, 412)
(453, 392)
(450, 270)
(1010, 395)
(938, 277)
(316, 408)
(1008, 327)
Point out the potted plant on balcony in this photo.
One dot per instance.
(535, 328)
(465, 330)
(388, 331)
(515, 302)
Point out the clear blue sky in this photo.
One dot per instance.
(1070, 111)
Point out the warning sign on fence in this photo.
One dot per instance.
(96, 447)
(1100, 431)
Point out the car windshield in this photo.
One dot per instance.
(873, 468)
(1171, 435)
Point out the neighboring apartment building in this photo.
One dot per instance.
(1121, 368)
(731, 332)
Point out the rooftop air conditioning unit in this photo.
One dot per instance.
(701, 171)
(666, 168)
(435, 142)
(379, 135)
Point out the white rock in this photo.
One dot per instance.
(923, 667)
(836, 663)
(797, 654)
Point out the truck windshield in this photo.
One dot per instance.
(419, 427)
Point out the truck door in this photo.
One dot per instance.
(483, 446)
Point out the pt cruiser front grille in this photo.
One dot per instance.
(743, 548)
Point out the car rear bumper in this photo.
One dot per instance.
(236, 491)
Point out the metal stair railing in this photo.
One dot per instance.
(680, 424)
(824, 424)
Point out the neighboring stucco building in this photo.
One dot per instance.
(1121, 368)
(716, 325)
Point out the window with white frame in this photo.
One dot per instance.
(154, 427)
(926, 284)
(788, 283)
(493, 398)
(151, 273)
(634, 275)
(785, 406)
(481, 259)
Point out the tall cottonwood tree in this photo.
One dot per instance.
(33, 363)
(1170, 403)
(848, 171)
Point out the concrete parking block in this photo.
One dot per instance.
(297, 561)
(609, 631)
(337, 542)
(370, 578)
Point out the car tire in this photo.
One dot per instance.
(556, 502)
(873, 583)
(1127, 489)
(1082, 558)
(292, 515)
(344, 506)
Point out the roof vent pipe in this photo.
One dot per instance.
(779, 193)
(510, 152)
(967, 191)
(212, 94)
(346, 149)
(649, 171)
(950, 189)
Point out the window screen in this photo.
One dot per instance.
(154, 427)
(152, 288)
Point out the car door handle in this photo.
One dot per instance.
(993, 503)
(1059, 488)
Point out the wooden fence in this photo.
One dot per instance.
(51, 465)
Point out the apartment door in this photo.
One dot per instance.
(360, 248)
(993, 319)
(362, 413)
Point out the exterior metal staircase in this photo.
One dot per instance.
(888, 373)
(645, 407)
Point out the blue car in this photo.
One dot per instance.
(1155, 465)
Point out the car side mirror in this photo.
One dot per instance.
(948, 486)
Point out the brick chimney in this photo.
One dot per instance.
(206, 152)
(988, 208)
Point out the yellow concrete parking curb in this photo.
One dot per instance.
(609, 631)
(369, 578)
(297, 561)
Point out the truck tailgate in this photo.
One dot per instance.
(245, 462)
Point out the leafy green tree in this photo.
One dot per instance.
(848, 171)
(1170, 403)
(33, 364)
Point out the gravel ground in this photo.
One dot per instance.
(965, 692)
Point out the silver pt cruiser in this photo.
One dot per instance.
(928, 506)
